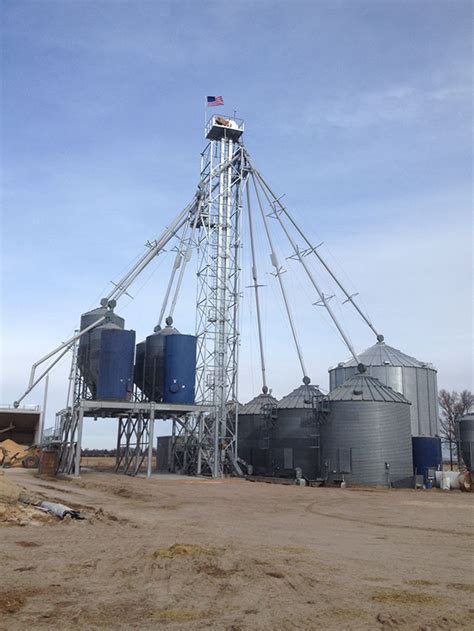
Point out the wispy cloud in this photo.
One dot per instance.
(402, 104)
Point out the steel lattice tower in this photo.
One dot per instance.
(205, 434)
(223, 177)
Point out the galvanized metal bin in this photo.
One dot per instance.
(366, 436)
(466, 440)
(295, 441)
(415, 379)
(256, 420)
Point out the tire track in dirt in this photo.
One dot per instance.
(310, 508)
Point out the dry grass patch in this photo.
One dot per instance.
(10, 602)
(214, 570)
(290, 549)
(403, 597)
(274, 574)
(180, 615)
(183, 550)
(465, 587)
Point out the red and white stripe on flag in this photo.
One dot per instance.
(212, 101)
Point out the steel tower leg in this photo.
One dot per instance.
(222, 180)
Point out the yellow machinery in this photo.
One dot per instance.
(13, 454)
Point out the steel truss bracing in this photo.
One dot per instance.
(69, 432)
(185, 445)
(223, 177)
(134, 443)
(70, 420)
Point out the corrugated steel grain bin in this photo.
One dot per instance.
(366, 435)
(254, 432)
(295, 441)
(416, 380)
(466, 439)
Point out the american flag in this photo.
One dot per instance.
(212, 101)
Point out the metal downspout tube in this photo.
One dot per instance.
(43, 374)
(75, 337)
(155, 249)
(276, 265)
(237, 321)
(256, 288)
(320, 293)
(186, 258)
(177, 264)
(72, 374)
(43, 411)
(349, 297)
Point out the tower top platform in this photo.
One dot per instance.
(219, 127)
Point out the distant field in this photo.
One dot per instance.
(101, 463)
(104, 463)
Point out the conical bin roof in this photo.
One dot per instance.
(362, 387)
(255, 405)
(300, 397)
(381, 354)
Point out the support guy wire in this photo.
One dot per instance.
(313, 249)
(186, 257)
(324, 299)
(177, 264)
(278, 274)
(256, 287)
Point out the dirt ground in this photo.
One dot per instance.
(182, 553)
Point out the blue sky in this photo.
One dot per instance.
(360, 112)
